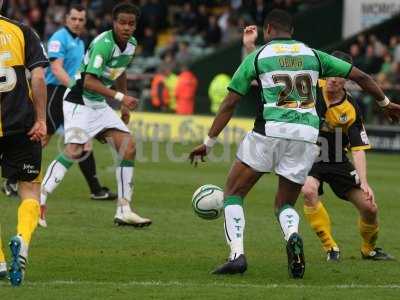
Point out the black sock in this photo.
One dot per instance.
(88, 169)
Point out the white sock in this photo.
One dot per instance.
(234, 229)
(289, 221)
(54, 175)
(125, 188)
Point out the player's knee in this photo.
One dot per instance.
(130, 152)
(74, 151)
(371, 209)
(310, 195)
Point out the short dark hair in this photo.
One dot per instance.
(126, 8)
(280, 20)
(78, 7)
(343, 56)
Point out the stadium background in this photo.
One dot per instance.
(80, 256)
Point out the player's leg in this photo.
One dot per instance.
(77, 133)
(22, 161)
(124, 145)
(28, 215)
(318, 217)
(368, 225)
(240, 180)
(55, 173)
(10, 188)
(88, 169)
(295, 159)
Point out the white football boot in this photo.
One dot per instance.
(126, 217)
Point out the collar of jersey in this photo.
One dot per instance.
(74, 35)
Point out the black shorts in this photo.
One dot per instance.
(20, 158)
(55, 116)
(341, 177)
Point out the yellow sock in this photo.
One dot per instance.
(369, 234)
(28, 215)
(320, 222)
(2, 257)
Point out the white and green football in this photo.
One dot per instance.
(208, 201)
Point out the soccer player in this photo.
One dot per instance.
(88, 116)
(285, 132)
(22, 127)
(66, 50)
(341, 118)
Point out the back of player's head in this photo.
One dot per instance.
(125, 8)
(343, 56)
(280, 20)
(77, 7)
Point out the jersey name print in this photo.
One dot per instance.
(287, 73)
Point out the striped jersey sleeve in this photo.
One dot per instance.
(244, 75)
(332, 66)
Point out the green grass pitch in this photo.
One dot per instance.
(82, 255)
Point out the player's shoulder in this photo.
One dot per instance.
(23, 28)
(61, 34)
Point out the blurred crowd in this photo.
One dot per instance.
(381, 59)
(175, 30)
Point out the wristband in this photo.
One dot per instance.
(209, 142)
(119, 96)
(385, 102)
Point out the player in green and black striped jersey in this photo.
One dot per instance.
(285, 132)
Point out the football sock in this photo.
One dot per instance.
(369, 234)
(88, 169)
(289, 220)
(319, 220)
(234, 225)
(2, 257)
(28, 215)
(54, 175)
(124, 175)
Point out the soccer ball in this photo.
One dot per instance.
(208, 201)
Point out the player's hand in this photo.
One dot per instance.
(130, 102)
(39, 131)
(368, 191)
(250, 35)
(392, 112)
(125, 114)
(197, 153)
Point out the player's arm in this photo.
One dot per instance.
(56, 52)
(36, 61)
(39, 95)
(239, 86)
(57, 68)
(98, 55)
(335, 67)
(122, 86)
(359, 142)
(360, 163)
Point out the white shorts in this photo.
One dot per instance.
(83, 123)
(289, 158)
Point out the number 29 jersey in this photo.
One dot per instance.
(20, 50)
(287, 72)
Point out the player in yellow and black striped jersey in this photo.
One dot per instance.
(22, 127)
(341, 130)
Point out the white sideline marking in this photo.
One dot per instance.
(215, 284)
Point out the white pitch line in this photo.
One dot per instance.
(206, 285)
